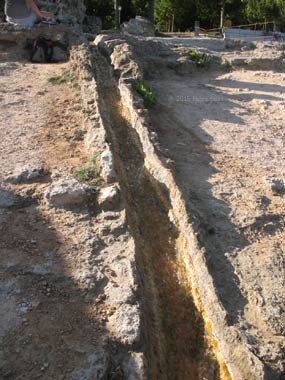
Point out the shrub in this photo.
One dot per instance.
(146, 93)
(201, 60)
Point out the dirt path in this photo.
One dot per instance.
(38, 119)
(225, 134)
(50, 327)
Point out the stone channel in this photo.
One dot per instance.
(185, 333)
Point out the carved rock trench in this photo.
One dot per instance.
(184, 328)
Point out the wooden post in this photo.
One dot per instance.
(197, 28)
(222, 14)
(151, 11)
(116, 6)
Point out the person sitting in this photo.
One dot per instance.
(26, 13)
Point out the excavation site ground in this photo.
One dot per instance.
(142, 236)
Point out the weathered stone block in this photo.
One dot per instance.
(126, 324)
(25, 174)
(66, 192)
(109, 197)
(139, 26)
(6, 199)
(107, 165)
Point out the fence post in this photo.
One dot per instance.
(197, 28)
(116, 7)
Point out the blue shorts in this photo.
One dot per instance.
(26, 22)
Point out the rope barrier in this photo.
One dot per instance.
(247, 25)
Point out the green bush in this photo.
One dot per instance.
(201, 60)
(146, 93)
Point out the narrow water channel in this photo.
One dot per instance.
(175, 341)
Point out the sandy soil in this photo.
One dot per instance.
(224, 133)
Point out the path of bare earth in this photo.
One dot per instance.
(53, 318)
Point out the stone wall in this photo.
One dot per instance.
(125, 358)
(139, 26)
(70, 12)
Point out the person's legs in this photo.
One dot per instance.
(26, 22)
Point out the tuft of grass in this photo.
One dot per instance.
(201, 60)
(85, 173)
(59, 79)
(94, 159)
(146, 93)
(89, 172)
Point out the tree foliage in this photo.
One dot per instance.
(265, 10)
(182, 14)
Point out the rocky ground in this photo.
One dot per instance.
(89, 273)
(224, 134)
(61, 245)
(220, 130)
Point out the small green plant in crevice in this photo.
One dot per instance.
(59, 79)
(200, 59)
(85, 173)
(94, 159)
(89, 172)
(146, 93)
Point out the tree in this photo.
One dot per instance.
(183, 13)
(208, 13)
(223, 3)
(179, 13)
(264, 10)
(141, 7)
(163, 12)
(151, 10)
